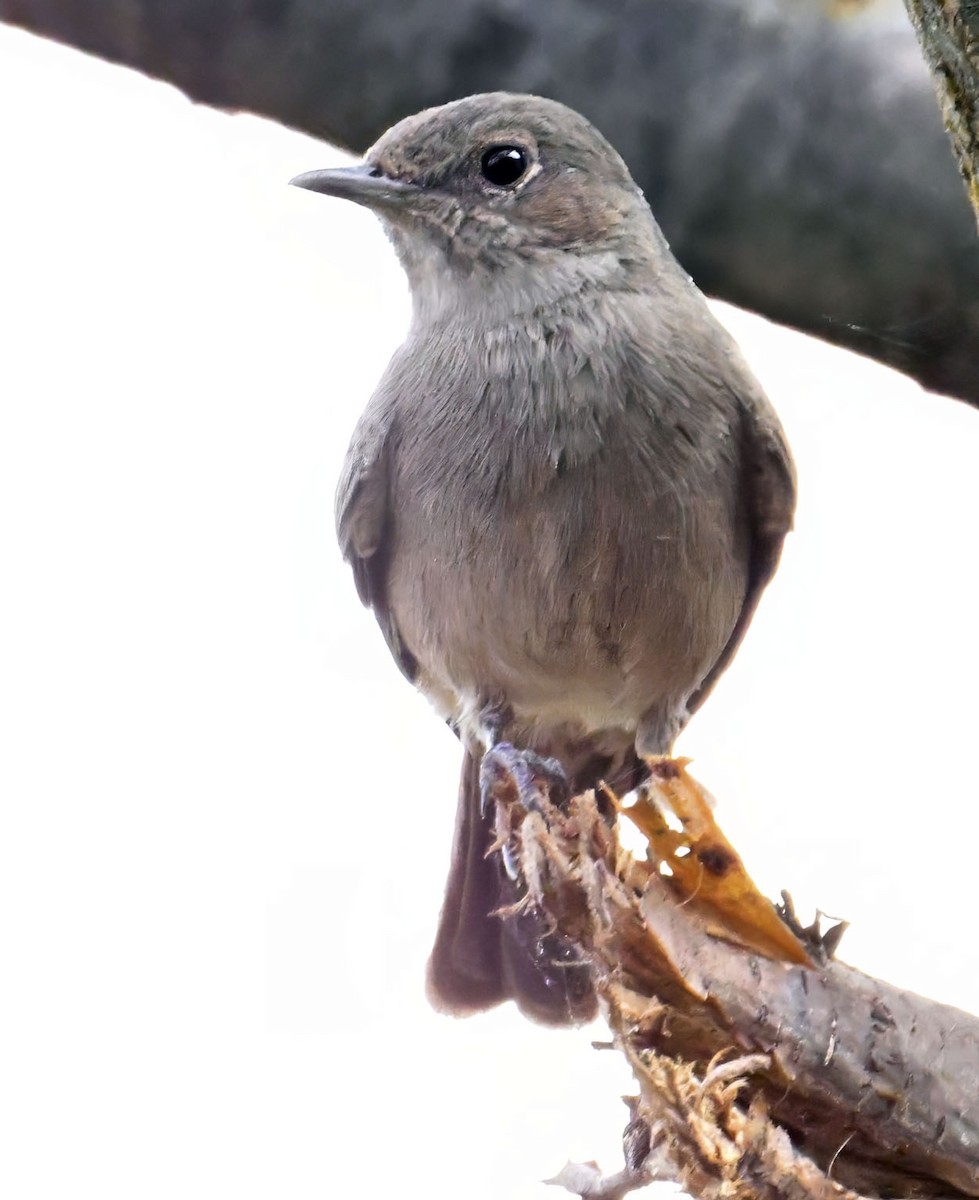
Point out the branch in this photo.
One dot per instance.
(949, 34)
(758, 1077)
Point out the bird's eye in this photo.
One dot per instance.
(504, 165)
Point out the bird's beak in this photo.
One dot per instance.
(364, 184)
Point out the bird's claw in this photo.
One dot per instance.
(509, 775)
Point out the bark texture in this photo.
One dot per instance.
(758, 1077)
(949, 35)
(791, 149)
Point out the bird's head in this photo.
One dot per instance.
(499, 195)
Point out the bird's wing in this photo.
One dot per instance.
(363, 519)
(769, 483)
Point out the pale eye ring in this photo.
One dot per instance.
(504, 166)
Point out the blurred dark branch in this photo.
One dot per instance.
(949, 34)
(794, 155)
(758, 1078)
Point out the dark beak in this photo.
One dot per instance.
(364, 184)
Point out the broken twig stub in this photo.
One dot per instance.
(759, 1074)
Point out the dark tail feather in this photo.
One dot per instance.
(465, 971)
(480, 959)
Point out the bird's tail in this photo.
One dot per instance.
(480, 958)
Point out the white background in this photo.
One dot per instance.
(225, 816)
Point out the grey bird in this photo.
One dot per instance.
(567, 493)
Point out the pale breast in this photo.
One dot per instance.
(570, 540)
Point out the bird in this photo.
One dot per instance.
(566, 495)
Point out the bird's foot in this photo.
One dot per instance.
(522, 775)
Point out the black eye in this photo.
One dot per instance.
(504, 165)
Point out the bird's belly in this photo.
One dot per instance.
(582, 639)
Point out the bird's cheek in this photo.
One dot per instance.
(569, 215)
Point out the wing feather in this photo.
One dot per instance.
(769, 481)
(364, 519)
